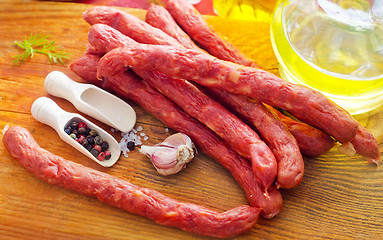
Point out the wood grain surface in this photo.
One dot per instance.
(340, 197)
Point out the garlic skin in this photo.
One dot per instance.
(172, 155)
(347, 149)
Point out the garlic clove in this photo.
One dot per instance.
(172, 155)
(161, 157)
(170, 171)
(176, 140)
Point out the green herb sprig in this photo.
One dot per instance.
(39, 43)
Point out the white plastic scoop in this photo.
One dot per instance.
(45, 110)
(92, 101)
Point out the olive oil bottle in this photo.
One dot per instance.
(335, 47)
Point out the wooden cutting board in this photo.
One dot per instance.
(340, 197)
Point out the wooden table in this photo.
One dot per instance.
(340, 197)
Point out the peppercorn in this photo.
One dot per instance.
(75, 132)
(90, 139)
(74, 125)
(107, 155)
(97, 147)
(82, 131)
(98, 140)
(68, 130)
(82, 125)
(130, 145)
(86, 145)
(93, 133)
(81, 138)
(94, 152)
(104, 146)
(101, 156)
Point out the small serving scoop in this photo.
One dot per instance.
(92, 101)
(45, 110)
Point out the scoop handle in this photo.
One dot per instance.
(45, 110)
(60, 85)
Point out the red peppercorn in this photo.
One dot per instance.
(81, 138)
(97, 147)
(101, 156)
(81, 124)
(107, 154)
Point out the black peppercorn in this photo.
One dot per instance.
(68, 130)
(82, 131)
(74, 124)
(86, 145)
(104, 146)
(94, 152)
(130, 145)
(90, 139)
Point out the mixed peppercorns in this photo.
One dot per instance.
(89, 139)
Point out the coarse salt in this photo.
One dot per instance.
(131, 137)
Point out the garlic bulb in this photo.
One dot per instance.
(172, 155)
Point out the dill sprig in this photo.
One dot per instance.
(39, 43)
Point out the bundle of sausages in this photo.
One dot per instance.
(217, 96)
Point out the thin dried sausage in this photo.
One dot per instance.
(129, 24)
(304, 103)
(122, 194)
(312, 141)
(159, 17)
(366, 145)
(197, 28)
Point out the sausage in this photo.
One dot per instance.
(237, 134)
(128, 24)
(130, 86)
(122, 194)
(304, 103)
(312, 142)
(366, 145)
(197, 28)
(159, 17)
